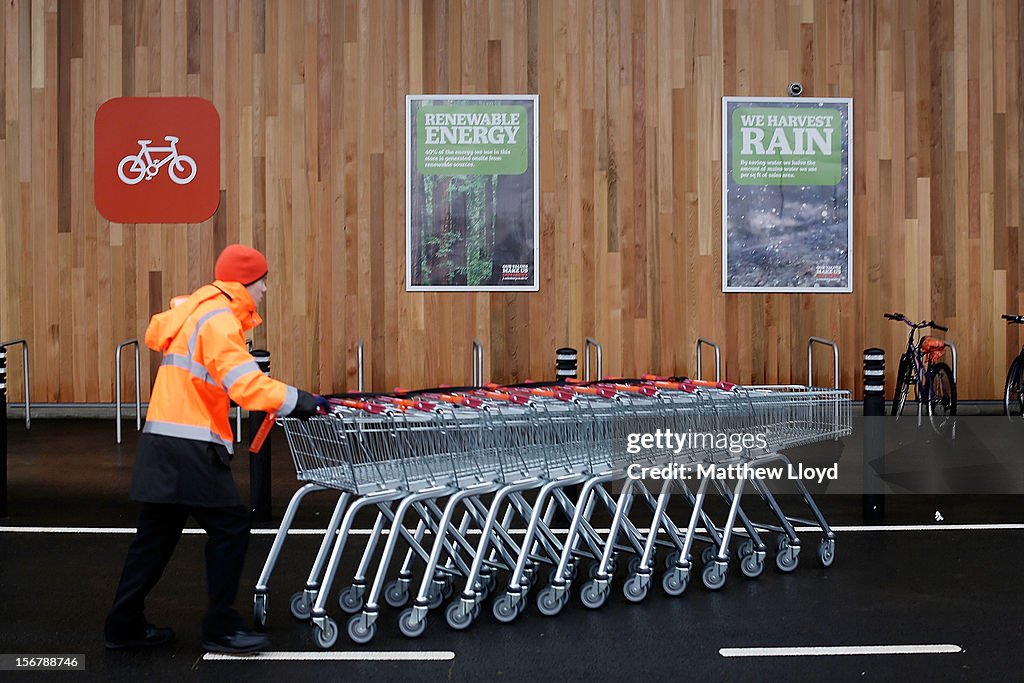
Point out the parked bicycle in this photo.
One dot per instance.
(1013, 402)
(922, 371)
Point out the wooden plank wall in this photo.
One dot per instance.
(311, 98)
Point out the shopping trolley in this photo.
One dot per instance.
(510, 453)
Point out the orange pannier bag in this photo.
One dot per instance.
(933, 348)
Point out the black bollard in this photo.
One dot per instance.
(874, 434)
(565, 363)
(3, 431)
(259, 461)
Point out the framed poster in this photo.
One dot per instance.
(472, 210)
(787, 218)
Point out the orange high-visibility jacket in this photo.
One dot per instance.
(206, 362)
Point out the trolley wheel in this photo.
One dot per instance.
(504, 610)
(528, 580)
(566, 577)
(408, 625)
(708, 554)
(435, 595)
(787, 560)
(592, 570)
(350, 600)
(674, 582)
(752, 566)
(259, 609)
(672, 559)
(548, 602)
(634, 564)
(592, 596)
(300, 607)
(396, 593)
(826, 552)
(635, 589)
(713, 576)
(612, 564)
(458, 618)
(359, 631)
(327, 636)
(745, 550)
(521, 606)
(781, 543)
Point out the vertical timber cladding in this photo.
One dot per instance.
(629, 125)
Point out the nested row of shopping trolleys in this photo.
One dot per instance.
(476, 484)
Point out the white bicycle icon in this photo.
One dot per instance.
(135, 168)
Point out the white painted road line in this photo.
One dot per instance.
(357, 656)
(366, 532)
(839, 650)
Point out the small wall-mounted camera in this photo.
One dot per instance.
(795, 89)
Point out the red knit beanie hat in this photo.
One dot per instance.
(239, 263)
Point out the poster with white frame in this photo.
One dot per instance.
(472, 193)
(787, 214)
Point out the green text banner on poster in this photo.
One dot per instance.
(472, 140)
(472, 219)
(787, 223)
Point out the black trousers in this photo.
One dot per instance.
(160, 526)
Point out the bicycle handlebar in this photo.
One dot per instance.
(924, 323)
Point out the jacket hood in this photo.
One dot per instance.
(165, 326)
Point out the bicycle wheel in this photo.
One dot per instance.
(1013, 402)
(132, 169)
(904, 380)
(183, 170)
(941, 394)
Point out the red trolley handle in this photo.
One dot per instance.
(262, 432)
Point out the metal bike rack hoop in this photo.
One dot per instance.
(25, 369)
(359, 366)
(117, 386)
(478, 363)
(718, 358)
(591, 342)
(810, 360)
(952, 352)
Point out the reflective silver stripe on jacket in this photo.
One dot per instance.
(236, 373)
(197, 370)
(186, 432)
(291, 398)
(199, 325)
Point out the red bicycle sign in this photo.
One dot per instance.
(186, 132)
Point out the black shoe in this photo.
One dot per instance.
(154, 635)
(238, 642)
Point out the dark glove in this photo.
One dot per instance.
(309, 405)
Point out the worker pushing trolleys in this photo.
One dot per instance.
(183, 462)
